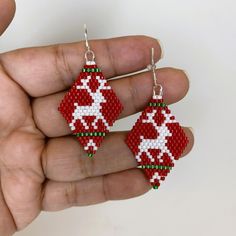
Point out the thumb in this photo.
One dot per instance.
(7, 11)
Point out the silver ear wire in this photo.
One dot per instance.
(89, 53)
(153, 67)
(86, 37)
(157, 88)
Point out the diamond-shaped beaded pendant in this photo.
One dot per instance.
(90, 107)
(157, 141)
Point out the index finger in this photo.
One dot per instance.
(7, 11)
(46, 70)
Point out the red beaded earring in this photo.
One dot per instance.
(157, 140)
(90, 106)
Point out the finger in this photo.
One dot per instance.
(46, 70)
(22, 194)
(7, 11)
(21, 175)
(133, 92)
(118, 186)
(65, 160)
(7, 225)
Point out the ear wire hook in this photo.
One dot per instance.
(156, 87)
(89, 53)
(86, 37)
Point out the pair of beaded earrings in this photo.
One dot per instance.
(91, 107)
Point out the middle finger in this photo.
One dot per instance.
(134, 93)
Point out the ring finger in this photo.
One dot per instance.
(64, 160)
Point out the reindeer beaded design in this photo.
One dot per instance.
(94, 109)
(157, 140)
(90, 107)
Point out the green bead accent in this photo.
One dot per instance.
(90, 154)
(90, 134)
(157, 104)
(91, 70)
(155, 187)
(160, 167)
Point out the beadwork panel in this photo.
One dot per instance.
(157, 141)
(90, 108)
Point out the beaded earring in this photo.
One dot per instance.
(90, 107)
(157, 140)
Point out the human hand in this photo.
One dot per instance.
(42, 166)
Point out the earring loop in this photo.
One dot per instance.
(88, 52)
(156, 86)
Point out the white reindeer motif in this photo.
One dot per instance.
(159, 142)
(95, 108)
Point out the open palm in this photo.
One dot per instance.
(42, 167)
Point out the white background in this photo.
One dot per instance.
(199, 196)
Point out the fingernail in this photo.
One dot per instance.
(162, 48)
(191, 129)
